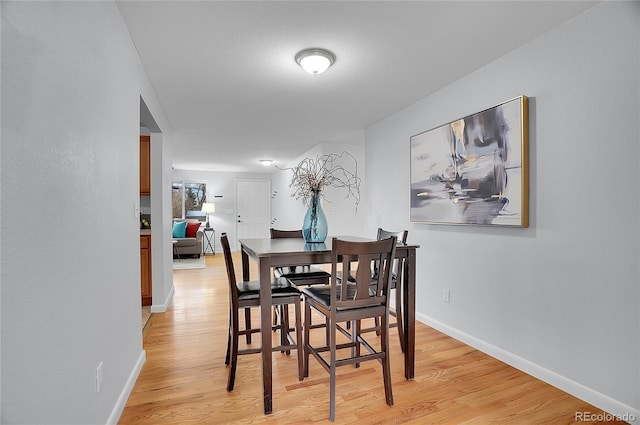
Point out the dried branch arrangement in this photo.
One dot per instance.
(324, 171)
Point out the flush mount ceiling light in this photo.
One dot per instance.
(265, 162)
(315, 61)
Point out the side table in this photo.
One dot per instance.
(209, 239)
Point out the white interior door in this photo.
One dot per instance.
(253, 208)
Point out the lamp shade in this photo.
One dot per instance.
(208, 207)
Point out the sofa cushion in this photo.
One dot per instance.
(179, 229)
(184, 242)
(192, 228)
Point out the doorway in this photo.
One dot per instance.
(151, 208)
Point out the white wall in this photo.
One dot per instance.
(220, 183)
(559, 299)
(342, 216)
(161, 212)
(286, 212)
(71, 87)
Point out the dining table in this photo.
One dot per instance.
(269, 253)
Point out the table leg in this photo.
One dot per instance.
(265, 332)
(409, 313)
(245, 266)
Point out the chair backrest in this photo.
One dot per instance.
(402, 238)
(278, 234)
(364, 254)
(231, 274)
(384, 234)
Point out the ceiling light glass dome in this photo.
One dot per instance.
(315, 61)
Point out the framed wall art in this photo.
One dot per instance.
(474, 170)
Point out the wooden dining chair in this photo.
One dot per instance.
(303, 275)
(243, 295)
(352, 302)
(396, 284)
(398, 267)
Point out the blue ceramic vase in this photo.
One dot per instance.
(314, 228)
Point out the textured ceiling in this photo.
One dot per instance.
(225, 73)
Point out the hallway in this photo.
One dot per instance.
(184, 378)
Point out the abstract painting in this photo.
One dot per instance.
(473, 170)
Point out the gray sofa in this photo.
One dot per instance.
(189, 246)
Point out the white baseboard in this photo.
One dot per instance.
(161, 308)
(591, 396)
(126, 391)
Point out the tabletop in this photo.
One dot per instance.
(265, 247)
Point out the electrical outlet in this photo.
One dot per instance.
(446, 295)
(99, 377)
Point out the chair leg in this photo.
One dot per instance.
(399, 316)
(275, 315)
(357, 332)
(227, 357)
(305, 342)
(327, 331)
(386, 367)
(247, 323)
(299, 344)
(332, 372)
(234, 351)
(284, 326)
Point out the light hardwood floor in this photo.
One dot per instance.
(184, 378)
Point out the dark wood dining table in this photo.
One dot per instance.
(269, 253)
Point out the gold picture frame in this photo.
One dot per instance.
(474, 170)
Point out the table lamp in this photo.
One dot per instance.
(208, 208)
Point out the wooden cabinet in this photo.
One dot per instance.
(145, 165)
(145, 269)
